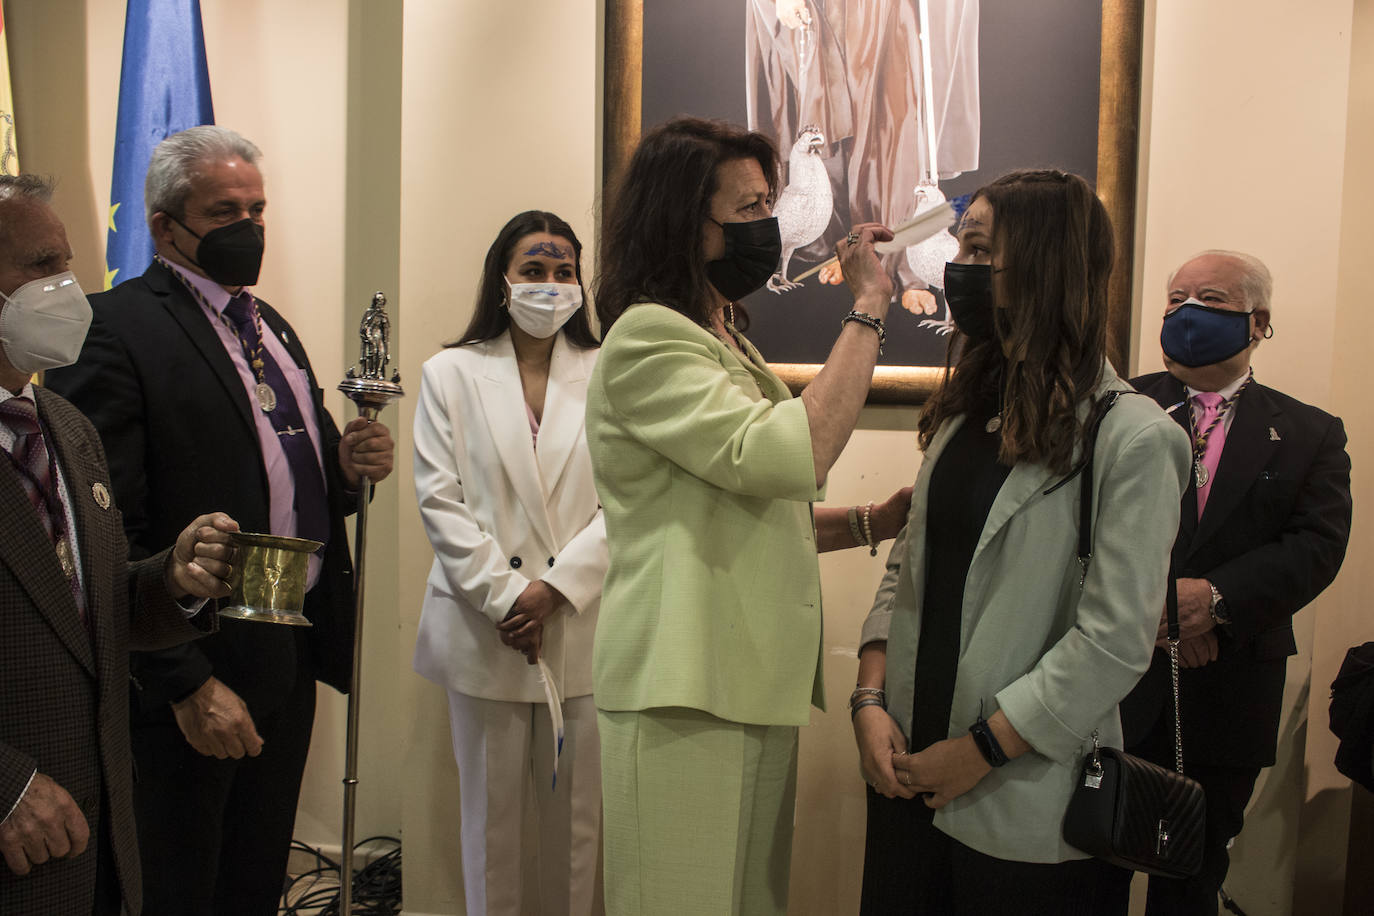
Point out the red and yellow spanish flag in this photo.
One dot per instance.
(9, 147)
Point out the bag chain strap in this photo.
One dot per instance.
(1085, 556)
(1178, 722)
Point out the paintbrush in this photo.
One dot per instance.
(912, 232)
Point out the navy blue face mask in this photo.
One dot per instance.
(1201, 335)
(968, 292)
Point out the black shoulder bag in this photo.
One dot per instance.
(1125, 810)
(1352, 715)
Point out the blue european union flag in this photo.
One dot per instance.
(164, 87)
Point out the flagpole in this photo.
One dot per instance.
(367, 386)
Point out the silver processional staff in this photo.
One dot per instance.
(368, 387)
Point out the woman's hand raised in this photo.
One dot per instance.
(868, 281)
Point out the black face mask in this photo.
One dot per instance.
(230, 255)
(752, 253)
(968, 292)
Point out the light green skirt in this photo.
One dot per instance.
(698, 813)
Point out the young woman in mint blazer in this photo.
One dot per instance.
(708, 647)
(504, 483)
(996, 656)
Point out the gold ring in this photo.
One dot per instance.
(905, 779)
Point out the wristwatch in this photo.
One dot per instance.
(1218, 607)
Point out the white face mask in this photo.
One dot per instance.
(540, 309)
(44, 323)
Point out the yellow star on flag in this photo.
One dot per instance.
(113, 208)
(109, 276)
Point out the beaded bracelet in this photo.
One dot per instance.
(870, 701)
(871, 321)
(868, 530)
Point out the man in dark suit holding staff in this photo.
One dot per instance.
(70, 603)
(1263, 531)
(200, 388)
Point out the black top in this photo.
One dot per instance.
(963, 487)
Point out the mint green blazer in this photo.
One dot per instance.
(703, 464)
(1057, 658)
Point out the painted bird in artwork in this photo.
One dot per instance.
(927, 260)
(804, 207)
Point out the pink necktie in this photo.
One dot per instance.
(35, 467)
(1209, 404)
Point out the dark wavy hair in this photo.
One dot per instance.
(490, 319)
(1052, 244)
(651, 246)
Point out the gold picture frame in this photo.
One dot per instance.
(1118, 132)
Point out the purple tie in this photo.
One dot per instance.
(38, 475)
(312, 509)
(1209, 405)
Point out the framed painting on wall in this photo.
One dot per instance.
(845, 88)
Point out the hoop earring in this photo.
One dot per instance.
(1268, 330)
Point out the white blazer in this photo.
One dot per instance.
(501, 513)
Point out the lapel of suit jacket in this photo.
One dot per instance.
(186, 312)
(1026, 482)
(275, 323)
(564, 410)
(1247, 450)
(294, 348)
(25, 546)
(503, 403)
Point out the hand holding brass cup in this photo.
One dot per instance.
(268, 581)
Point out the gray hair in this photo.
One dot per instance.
(176, 159)
(24, 186)
(1256, 284)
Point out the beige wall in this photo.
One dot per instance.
(1345, 619)
(1245, 145)
(1246, 148)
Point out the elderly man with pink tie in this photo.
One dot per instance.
(1263, 530)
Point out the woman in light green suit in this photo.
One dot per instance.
(707, 649)
(996, 654)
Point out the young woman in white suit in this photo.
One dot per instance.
(504, 483)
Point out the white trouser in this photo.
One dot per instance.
(529, 848)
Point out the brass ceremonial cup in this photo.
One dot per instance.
(269, 578)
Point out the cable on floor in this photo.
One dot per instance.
(376, 886)
(1229, 904)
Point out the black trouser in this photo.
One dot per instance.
(108, 901)
(214, 835)
(912, 867)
